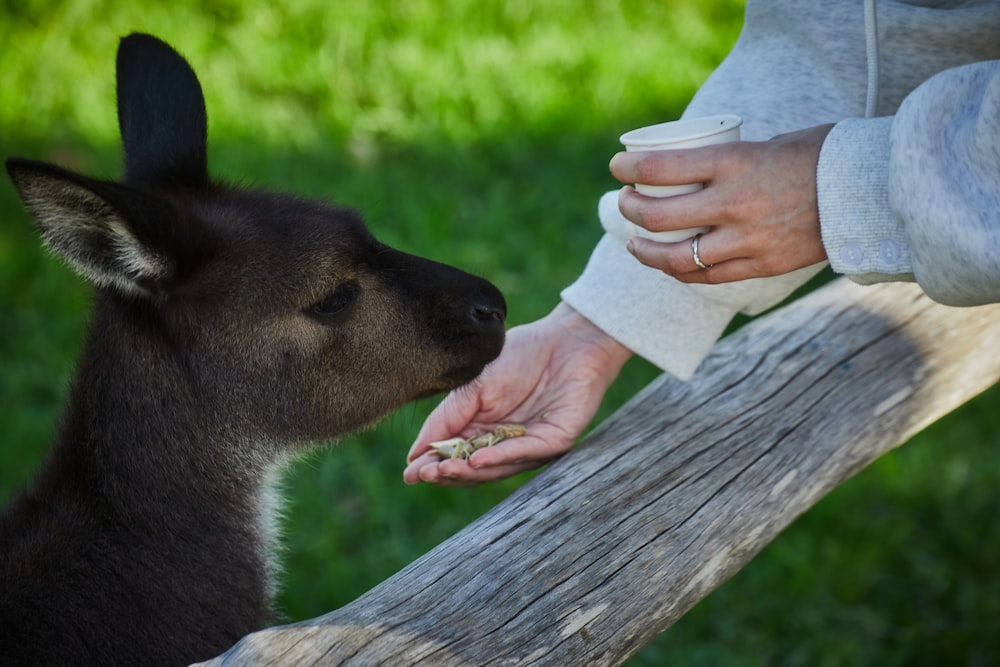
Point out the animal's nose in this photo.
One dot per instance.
(488, 312)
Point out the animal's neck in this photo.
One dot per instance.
(142, 449)
(139, 413)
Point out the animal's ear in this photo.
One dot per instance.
(161, 113)
(114, 235)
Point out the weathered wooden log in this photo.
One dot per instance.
(671, 496)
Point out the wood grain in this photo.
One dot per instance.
(672, 495)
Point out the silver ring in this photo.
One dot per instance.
(694, 250)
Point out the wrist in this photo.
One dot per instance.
(613, 354)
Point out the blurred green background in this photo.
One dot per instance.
(478, 133)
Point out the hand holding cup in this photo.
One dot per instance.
(674, 135)
(756, 216)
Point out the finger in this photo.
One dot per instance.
(432, 470)
(670, 167)
(543, 442)
(450, 417)
(457, 472)
(540, 445)
(424, 468)
(727, 272)
(730, 271)
(675, 259)
(663, 214)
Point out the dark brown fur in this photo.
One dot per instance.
(231, 328)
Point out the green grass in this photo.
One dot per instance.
(479, 134)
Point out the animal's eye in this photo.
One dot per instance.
(336, 303)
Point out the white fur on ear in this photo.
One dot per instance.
(91, 235)
(140, 265)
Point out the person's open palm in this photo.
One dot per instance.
(550, 377)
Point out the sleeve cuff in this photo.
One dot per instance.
(863, 238)
(672, 324)
(647, 311)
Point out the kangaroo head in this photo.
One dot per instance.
(282, 316)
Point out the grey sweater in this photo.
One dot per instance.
(908, 181)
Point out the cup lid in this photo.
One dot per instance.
(681, 130)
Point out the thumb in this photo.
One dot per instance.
(448, 419)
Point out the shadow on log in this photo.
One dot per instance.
(671, 496)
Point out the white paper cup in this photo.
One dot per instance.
(687, 133)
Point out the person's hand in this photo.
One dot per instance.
(550, 377)
(759, 200)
